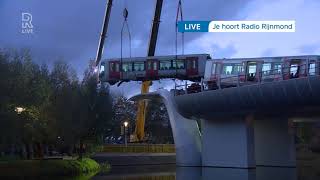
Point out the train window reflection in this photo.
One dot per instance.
(178, 63)
(138, 66)
(237, 69)
(312, 68)
(266, 68)
(155, 67)
(149, 65)
(277, 68)
(233, 69)
(194, 64)
(126, 67)
(227, 69)
(165, 65)
(102, 66)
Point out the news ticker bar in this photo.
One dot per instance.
(237, 26)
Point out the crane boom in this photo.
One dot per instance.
(103, 32)
(142, 105)
(155, 28)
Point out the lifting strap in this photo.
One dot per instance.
(125, 26)
(179, 13)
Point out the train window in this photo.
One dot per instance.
(266, 68)
(312, 68)
(178, 63)
(117, 67)
(237, 68)
(165, 65)
(102, 66)
(227, 69)
(126, 67)
(155, 67)
(252, 68)
(294, 70)
(138, 66)
(149, 65)
(111, 66)
(277, 68)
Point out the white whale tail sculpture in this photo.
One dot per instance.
(185, 131)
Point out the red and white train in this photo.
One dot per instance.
(230, 72)
(190, 67)
(195, 67)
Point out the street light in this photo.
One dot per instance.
(95, 70)
(19, 110)
(125, 124)
(125, 132)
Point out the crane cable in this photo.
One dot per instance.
(125, 26)
(179, 12)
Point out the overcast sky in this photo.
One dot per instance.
(69, 29)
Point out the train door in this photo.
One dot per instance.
(114, 70)
(152, 68)
(192, 66)
(218, 70)
(209, 70)
(252, 71)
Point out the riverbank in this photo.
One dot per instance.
(308, 165)
(49, 167)
(135, 159)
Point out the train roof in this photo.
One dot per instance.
(270, 57)
(155, 57)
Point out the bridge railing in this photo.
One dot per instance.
(277, 74)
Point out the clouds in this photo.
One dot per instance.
(70, 29)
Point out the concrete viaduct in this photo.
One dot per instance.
(241, 127)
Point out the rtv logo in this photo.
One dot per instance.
(27, 27)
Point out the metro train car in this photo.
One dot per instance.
(188, 67)
(231, 72)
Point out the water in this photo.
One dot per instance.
(194, 173)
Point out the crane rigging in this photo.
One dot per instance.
(103, 33)
(142, 105)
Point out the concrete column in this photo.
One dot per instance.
(276, 173)
(188, 173)
(274, 142)
(228, 142)
(228, 174)
(186, 134)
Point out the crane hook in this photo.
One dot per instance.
(125, 13)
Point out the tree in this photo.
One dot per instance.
(59, 111)
(158, 123)
(123, 110)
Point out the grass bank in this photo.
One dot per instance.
(139, 148)
(308, 165)
(48, 167)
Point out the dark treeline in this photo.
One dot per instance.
(44, 111)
